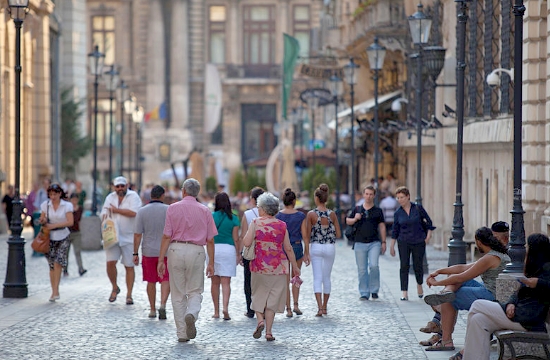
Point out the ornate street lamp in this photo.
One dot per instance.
(420, 26)
(129, 108)
(313, 103)
(122, 94)
(337, 89)
(350, 75)
(96, 60)
(137, 117)
(15, 285)
(376, 54)
(517, 235)
(111, 83)
(457, 246)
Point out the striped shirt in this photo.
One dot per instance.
(189, 220)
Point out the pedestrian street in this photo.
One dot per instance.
(84, 325)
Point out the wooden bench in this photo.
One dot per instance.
(509, 337)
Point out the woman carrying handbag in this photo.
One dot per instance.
(57, 216)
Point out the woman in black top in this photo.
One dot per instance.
(412, 229)
(524, 311)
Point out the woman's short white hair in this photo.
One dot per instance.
(269, 203)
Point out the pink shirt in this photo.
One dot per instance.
(189, 220)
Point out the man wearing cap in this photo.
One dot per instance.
(122, 205)
(189, 226)
(501, 230)
(149, 225)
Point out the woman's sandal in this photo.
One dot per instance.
(258, 332)
(289, 313)
(319, 313)
(114, 293)
(441, 346)
(457, 356)
(324, 311)
(129, 301)
(269, 337)
(226, 315)
(296, 309)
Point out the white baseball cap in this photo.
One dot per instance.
(120, 180)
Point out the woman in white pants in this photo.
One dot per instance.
(524, 311)
(323, 229)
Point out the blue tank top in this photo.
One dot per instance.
(293, 225)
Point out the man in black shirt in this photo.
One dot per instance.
(370, 242)
(7, 203)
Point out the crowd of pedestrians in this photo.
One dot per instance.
(187, 239)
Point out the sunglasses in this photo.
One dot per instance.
(55, 188)
(119, 186)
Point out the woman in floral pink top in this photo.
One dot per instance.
(269, 268)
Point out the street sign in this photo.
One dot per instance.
(319, 144)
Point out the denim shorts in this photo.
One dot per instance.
(298, 250)
(469, 292)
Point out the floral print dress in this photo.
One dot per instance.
(270, 257)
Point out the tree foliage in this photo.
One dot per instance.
(74, 145)
(211, 185)
(315, 177)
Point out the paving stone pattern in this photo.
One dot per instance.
(84, 325)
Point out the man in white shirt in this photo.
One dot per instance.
(122, 205)
(388, 205)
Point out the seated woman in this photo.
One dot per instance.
(524, 311)
(461, 290)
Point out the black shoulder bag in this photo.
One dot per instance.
(351, 230)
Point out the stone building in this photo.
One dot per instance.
(36, 154)
(161, 48)
(487, 190)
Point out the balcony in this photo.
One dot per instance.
(382, 16)
(255, 71)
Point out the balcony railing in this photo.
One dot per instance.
(257, 71)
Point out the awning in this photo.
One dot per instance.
(364, 107)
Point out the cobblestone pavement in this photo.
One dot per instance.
(84, 325)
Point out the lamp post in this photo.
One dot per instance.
(15, 285)
(137, 117)
(96, 59)
(122, 94)
(350, 74)
(313, 103)
(337, 89)
(457, 246)
(129, 107)
(376, 55)
(111, 84)
(420, 26)
(517, 235)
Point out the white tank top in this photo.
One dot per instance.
(251, 215)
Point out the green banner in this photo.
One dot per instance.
(292, 49)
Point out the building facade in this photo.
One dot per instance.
(487, 182)
(36, 158)
(161, 49)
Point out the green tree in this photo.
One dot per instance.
(254, 178)
(74, 145)
(237, 182)
(211, 184)
(315, 177)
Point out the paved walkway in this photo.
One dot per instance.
(84, 325)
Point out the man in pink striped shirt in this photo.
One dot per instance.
(189, 226)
